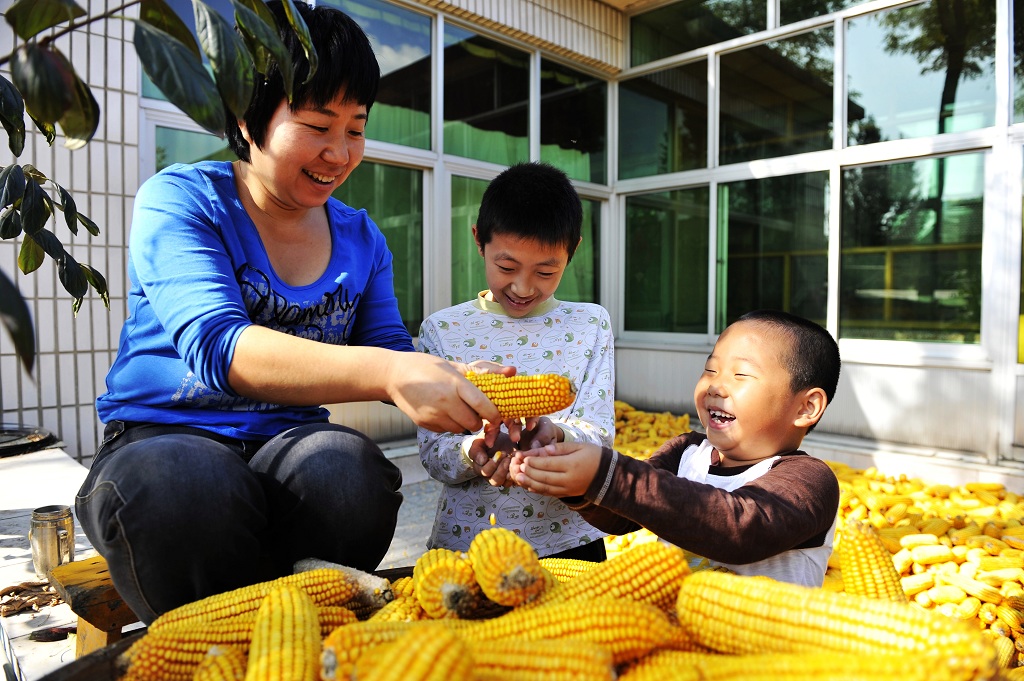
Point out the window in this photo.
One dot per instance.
(1018, 61)
(773, 246)
(486, 98)
(663, 122)
(401, 41)
(911, 250)
(904, 80)
(796, 10)
(398, 212)
(573, 110)
(186, 146)
(666, 284)
(692, 24)
(580, 281)
(777, 98)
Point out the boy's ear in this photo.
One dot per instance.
(479, 248)
(811, 408)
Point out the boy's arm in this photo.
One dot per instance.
(791, 505)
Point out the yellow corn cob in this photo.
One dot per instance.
(403, 586)
(221, 663)
(565, 569)
(822, 666)
(556, 660)
(665, 665)
(286, 638)
(402, 609)
(973, 587)
(521, 396)
(867, 565)
(628, 629)
(345, 644)
(325, 587)
(744, 615)
(506, 567)
(910, 541)
(1013, 541)
(1006, 652)
(929, 555)
(989, 563)
(1013, 617)
(419, 654)
(967, 609)
(946, 593)
(650, 572)
(374, 592)
(445, 584)
(330, 617)
(915, 584)
(936, 526)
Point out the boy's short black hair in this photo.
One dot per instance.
(813, 360)
(531, 200)
(345, 62)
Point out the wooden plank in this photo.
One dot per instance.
(85, 585)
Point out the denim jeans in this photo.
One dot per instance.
(181, 513)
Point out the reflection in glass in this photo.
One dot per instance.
(1020, 322)
(184, 10)
(393, 198)
(1018, 61)
(580, 281)
(663, 121)
(777, 98)
(187, 146)
(911, 73)
(401, 41)
(910, 267)
(486, 98)
(573, 109)
(773, 246)
(666, 283)
(791, 11)
(690, 24)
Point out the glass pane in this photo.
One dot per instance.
(667, 261)
(1018, 61)
(486, 98)
(911, 250)
(393, 198)
(186, 146)
(183, 8)
(690, 24)
(796, 10)
(468, 277)
(401, 41)
(1020, 324)
(580, 281)
(777, 98)
(774, 235)
(663, 122)
(573, 110)
(945, 71)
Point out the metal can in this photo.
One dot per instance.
(52, 537)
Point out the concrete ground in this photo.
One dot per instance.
(416, 515)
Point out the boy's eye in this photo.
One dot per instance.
(318, 128)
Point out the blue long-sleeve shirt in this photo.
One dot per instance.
(199, 275)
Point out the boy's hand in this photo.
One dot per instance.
(565, 469)
(539, 431)
(487, 462)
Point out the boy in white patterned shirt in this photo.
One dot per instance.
(528, 228)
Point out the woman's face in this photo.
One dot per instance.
(308, 152)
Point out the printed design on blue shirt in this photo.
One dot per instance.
(328, 319)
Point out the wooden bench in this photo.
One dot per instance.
(86, 587)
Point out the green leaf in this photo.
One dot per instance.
(232, 65)
(259, 8)
(30, 17)
(34, 213)
(48, 129)
(15, 317)
(180, 75)
(12, 115)
(33, 173)
(72, 276)
(68, 207)
(89, 225)
(82, 118)
(98, 283)
(12, 185)
(159, 14)
(50, 244)
(30, 257)
(10, 223)
(302, 32)
(44, 79)
(263, 34)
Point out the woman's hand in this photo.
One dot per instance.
(492, 461)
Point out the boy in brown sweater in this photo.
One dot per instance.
(743, 495)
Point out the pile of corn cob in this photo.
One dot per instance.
(500, 612)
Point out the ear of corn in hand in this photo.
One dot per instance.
(523, 396)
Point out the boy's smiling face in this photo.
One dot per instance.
(522, 273)
(743, 397)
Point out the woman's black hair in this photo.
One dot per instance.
(346, 62)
